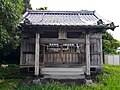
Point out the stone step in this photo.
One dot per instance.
(62, 72)
(61, 69)
(82, 76)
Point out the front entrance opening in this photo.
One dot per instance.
(63, 53)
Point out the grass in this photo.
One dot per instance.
(111, 78)
(8, 84)
(109, 81)
(9, 78)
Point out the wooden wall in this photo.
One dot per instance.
(96, 49)
(28, 50)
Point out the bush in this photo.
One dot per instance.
(9, 71)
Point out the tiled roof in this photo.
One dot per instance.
(70, 18)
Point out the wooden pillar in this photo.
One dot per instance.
(43, 53)
(61, 52)
(37, 49)
(101, 54)
(21, 52)
(87, 54)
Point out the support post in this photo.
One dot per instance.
(61, 52)
(87, 55)
(43, 54)
(21, 52)
(102, 53)
(37, 49)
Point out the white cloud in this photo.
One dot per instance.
(108, 9)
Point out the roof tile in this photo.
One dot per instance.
(74, 18)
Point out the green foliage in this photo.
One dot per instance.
(8, 71)
(27, 5)
(111, 78)
(10, 16)
(8, 84)
(109, 81)
(42, 8)
(53, 86)
(10, 13)
(110, 44)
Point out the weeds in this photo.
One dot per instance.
(109, 81)
(9, 84)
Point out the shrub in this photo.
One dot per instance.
(8, 71)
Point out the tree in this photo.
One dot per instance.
(110, 44)
(42, 8)
(27, 5)
(10, 16)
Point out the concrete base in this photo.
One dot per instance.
(89, 82)
(36, 81)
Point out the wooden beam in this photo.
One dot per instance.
(37, 49)
(87, 54)
(56, 40)
(67, 41)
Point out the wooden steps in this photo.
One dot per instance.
(65, 76)
(63, 73)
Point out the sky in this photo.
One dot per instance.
(108, 9)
